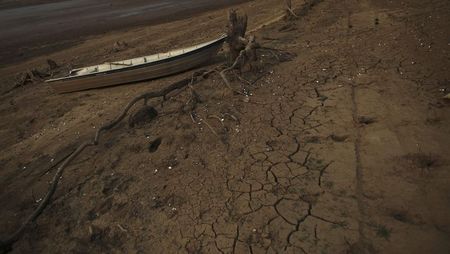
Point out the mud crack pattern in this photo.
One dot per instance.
(296, 166)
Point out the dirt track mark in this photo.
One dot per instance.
(359, 172)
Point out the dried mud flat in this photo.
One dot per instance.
(342, 148)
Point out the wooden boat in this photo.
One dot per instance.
(137, 69)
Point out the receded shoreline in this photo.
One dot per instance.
(33, 30)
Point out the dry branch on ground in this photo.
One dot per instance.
(289, 10)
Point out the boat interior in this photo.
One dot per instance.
(109, 66)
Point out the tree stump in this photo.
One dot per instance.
(237, 27)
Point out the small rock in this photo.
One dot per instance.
(119, 46)
(338, 138)
(156, 202)
(312, 139)
(154, 145)
(366, 120)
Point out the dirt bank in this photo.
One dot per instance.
(340, 147)
(32, 28)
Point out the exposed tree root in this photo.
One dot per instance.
(6, 245)
(246, 55)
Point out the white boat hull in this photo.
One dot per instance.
(184, 61)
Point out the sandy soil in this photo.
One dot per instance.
(340, 147)
(39, 27)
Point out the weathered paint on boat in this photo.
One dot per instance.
(137, 69)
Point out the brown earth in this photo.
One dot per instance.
(341, 146)
(39, 27)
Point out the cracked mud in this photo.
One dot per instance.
(340, 149)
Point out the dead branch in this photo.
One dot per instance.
(194, 98)
(210, 127)
(225, 80)
(289, 10)
(221, 119)
(233, 117)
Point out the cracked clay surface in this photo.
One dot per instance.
(341, 149)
